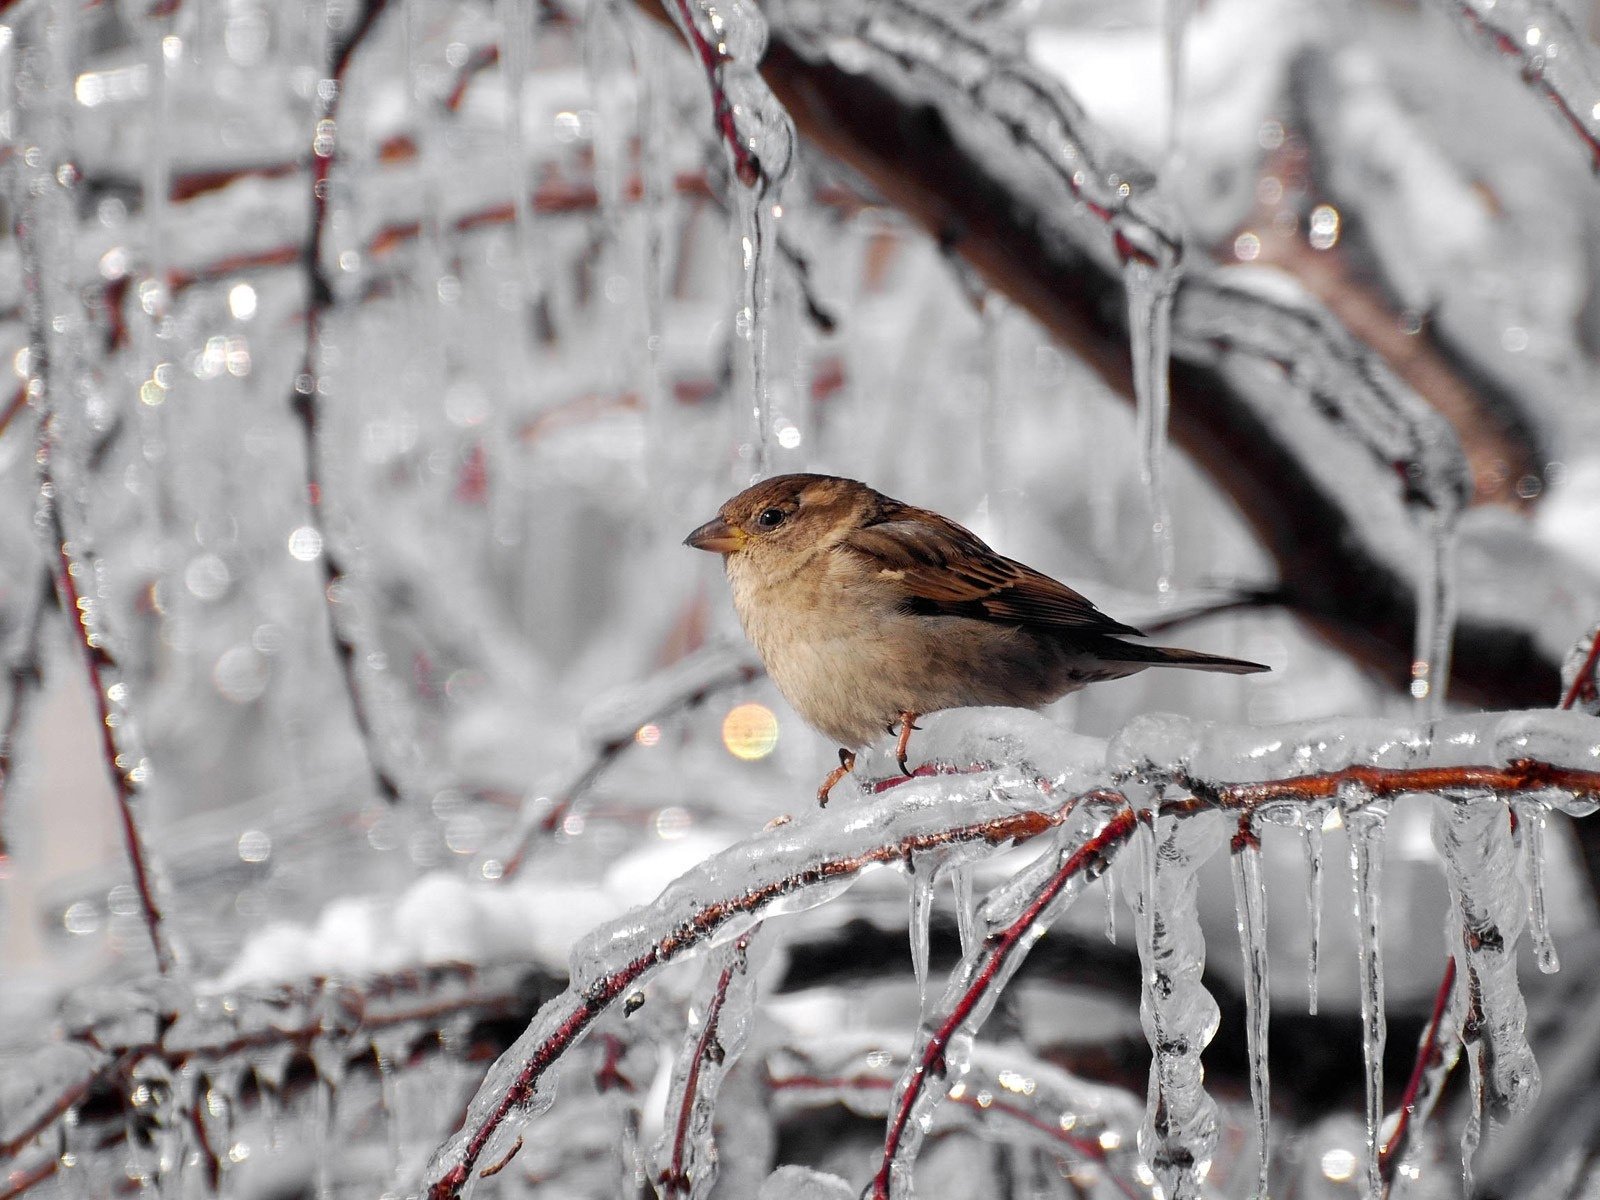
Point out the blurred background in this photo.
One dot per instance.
(370, 362)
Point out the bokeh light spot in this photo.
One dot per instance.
(750, 731)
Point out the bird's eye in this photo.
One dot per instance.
(770, 518)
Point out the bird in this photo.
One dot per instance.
(870, 613)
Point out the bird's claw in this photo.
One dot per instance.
(847, 763)
(908, 722)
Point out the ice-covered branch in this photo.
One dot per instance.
(1555, 58)
(1006, 1094)
(1553, 755)
(690, 1159)
(107, 1033)
(797, 865)
(610, 724)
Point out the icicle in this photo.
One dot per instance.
(1364, 821)
(1179, 1133)
(1175, 16)
(1151, 287)
(730, 38)
(1108, 884)
(966, 915)
(517, 25)
(922, 881)
(998, 427)
(1490, 909)
(756, 238)
(1250, 903)
(1531, 819)
(1436, 615)
(1312, 828)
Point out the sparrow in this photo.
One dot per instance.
(869, 612)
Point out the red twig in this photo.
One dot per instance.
(600, 761)
(20, 1180)
(104, 674)
(674, 1179)
(992, 1104)
(577, 1011)
(1533, 75)
(14, 406)
(305, 399)
(1428, 1052)
(746, 166)
(1583, 686)
(997, 950)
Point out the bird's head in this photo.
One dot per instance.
(787, 517)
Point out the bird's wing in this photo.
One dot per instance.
(948, 571)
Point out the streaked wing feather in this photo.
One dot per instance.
(948, 571)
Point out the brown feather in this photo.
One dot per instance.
(946, 570)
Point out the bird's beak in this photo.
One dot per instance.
(717, 536)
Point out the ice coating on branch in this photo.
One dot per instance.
(1179, 1133)
(1364, 821)
(1580, 674)
(1553, 56)
(1261, 313)
(1250, 903)
(721, 1015)
(782, 869)
(986, 92)
(1482, 864)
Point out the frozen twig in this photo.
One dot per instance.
(1555, 58)
(219, 1029)
(1428, 1075)
(1006, 1095)
(308, 384)
(613, 720)
(793, 864)
(688, 1171)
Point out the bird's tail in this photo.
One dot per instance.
(1171, 656)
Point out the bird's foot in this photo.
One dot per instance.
(847, 763)
(907, 724)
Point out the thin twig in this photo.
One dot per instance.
(674, 1179)
(1428, 1052)
(997, 950)
(305, 400)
